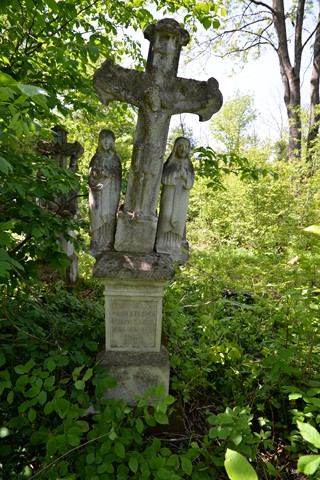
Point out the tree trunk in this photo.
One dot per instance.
(290, 75)
(314, 114)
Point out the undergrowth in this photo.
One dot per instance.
(241, 328)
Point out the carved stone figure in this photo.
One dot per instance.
(177, 180)
(105, 175)
(158, 93)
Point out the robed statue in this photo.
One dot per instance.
(177, 181)
(105, 175)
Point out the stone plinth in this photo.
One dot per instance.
(133, 315)
(134, 288)
(135, 372)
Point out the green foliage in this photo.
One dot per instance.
(55, 420)
(231, 126)
(216, 166)
(20, 106)
(233, 429)
(59, 53)
(240, 319)
(269, 214)
(49, 51)
(30, 232)
(237, 467)
(305, 415)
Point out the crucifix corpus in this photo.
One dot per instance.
(159, 94)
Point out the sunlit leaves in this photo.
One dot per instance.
(215, 166)
(313, 229)
(238, 467)
(308, 464)
(309, 433)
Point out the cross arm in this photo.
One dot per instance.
(194, 96)
(112, 82)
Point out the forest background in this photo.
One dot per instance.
(241, 318)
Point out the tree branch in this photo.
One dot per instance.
(262, 4)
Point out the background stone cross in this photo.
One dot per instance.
(159, 94)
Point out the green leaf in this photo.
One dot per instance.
(161, 418)
(87, 375)
(186, 465)
(4, 239)
(62, 407)
(40, 100)
(295, 396)
(112, 436)
(7, 79)
(119, 449)
(49, 382)
(206, 22)
(42, 398)
(20, 369)
(160, 390)
(133, 464)
(149, 419)
(48, 408)
(163, 474)
(309, 433)
(5, 166)
(32, 415)
(313, 229)
(237, 439)
(4, 269)
(33, 392)
(52, 5)
(90, 458)
(52, 445)
(10, 397)
(30, 364)
(165, 452)
(50, 365)
(6, 257)
(31, 90)
(238, 467)
(169, 399)
(308, 464)
(79, 385)
(139, 425)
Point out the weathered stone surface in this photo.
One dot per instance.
(133, 314)
(134, 275)
(159, 94)
(105, 174)
(135, 373)
(135, 234)
(120, 265)
(134, 288)
(177, 180)
(124, 359)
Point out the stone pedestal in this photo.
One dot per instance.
(134, 288)
(135, 372)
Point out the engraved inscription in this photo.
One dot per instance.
(133, 324)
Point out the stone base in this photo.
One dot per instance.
(135, 235)
(135, 373)
(125, 265)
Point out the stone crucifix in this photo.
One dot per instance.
(159, 94)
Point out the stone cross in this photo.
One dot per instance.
(60, 149)
(159, 94)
